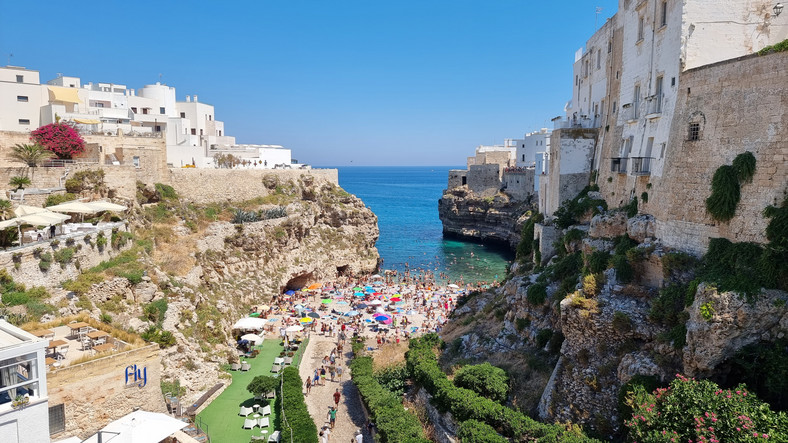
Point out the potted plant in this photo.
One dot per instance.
(20, 400)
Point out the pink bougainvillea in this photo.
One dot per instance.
(62, 139)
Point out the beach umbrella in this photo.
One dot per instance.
(294, 328)
(385, 322)
(395, 299)
(411, 312)
(453, 286)
(375, 303)
(358, 294)
(313, 315)
(314, 286)
(265, 307)
(325, 301)
(290, 292)
(254, 314)
(351, 313)
(306, 320)
(273, 320)
(253, 338)
(357, 288)
(382, 317)
(101, 205)
(73, 206)
(361, 306)
(342, 302)
(28, 210)
(248, 323)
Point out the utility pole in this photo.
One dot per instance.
(596, 16)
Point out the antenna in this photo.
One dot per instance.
(160, 77)
(596, 16)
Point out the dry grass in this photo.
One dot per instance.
(389, 355)
(133, 340)
(175, 258)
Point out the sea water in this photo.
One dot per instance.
(405, 199)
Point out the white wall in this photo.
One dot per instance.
(12, 110)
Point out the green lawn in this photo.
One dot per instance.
(220, 419)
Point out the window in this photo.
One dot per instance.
(194, 131)
(161, 111)
(18, 376)
(663, 14)
(662, 150)
(145, 110)
(158, 128)
(200, 132)
(694, 132)
(641, 26)
(24, 121)
(636, 102)
(136, 161)
(20, 78)
(183, 115)
(523, 157)
(649, 146)
(57, 419)
(21, 98)
(658, 95)
(598, 59)
(134, 109)
(609, 46)
(220, 133)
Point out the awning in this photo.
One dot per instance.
(139, 426)
(64, 95)
(73, 206)
(87, 121)
(102, 205)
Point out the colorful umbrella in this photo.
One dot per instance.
(341, 302)
(290, 292)
(313, 315)
(325, 301)
(395, 299)
(357, 288)
(382, 317)
(306, 320)
(385, 322)
(351, 313)
(358, 294)
(362, 306)
(314, 286)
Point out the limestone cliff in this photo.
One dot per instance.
(487, 219)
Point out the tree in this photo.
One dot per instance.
(30, 154)
(19, 181)
(62, 139)
(6, 211)
(262, 384)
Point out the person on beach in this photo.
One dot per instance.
(339, 373)
(332, 416)
(358, 438)
(337, 397)
(308, 384)
(322, 375)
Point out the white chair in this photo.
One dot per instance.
(245, 366)
(279, 361)
(263, 422)
(275, 437)
(245, 411)
(276, 368)
(249, 423)
(235, 366)
(270, 395)
(265, 410)
(288, 361)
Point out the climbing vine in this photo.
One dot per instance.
(726, 186)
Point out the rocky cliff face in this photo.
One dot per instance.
(493, 219)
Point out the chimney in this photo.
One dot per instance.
(195, 98)
(188, 98)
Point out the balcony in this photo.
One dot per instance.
(630, 112)
(654, 106)
(581, 122)
(618, 165)
(640, 165)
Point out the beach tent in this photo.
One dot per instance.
(249, 323)
(294, 328)
(139, 426)
(252, 338)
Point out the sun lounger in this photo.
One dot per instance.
(266, 410)
(245, 411)
(275, 437)
(276, 368)
(279, 360)
(235, 366)
(270, 395)
(249, 423)
(246, 366)
(257, 438)
(288, 361)
(263, 422)
(258, 397)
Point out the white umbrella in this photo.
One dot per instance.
(10, 222)
(102, 205)
(74, 207)
(249, 323)
(376, 277)
(453, 286)
(294, 328)
(253, 338)
(375, 303)
(45, 218)
(27, 210)
(140, 426)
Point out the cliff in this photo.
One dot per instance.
(495, 219)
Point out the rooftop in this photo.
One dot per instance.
(10, 335)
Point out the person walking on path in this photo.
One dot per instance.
(339, 373)
(308, 384)
(337, 397)
(358, 438)
(332, 416)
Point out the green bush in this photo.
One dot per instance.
(56, 199)
(522, 323)
(64, 256)
(571, 210)
(725, 194)
(101, 240)
(393, 422)
(83, 283)
(779, 47)
(119, 239)
(537, 294)
(691, 410)
(597, 262)
(45, 261)
(631, 208)
(624, 271)
(165, 192)
(393, 378)
(298, 422)
(155, 311)
(526, 245)
(744, 164)
(15, 298)
(647, 382)
(484, 379)
(478, 432)
(153, 334)
(543, 337)
(105, 318)
(677, 261)
(764, 368)
(134, 276)
(36, 309)
(263, 384)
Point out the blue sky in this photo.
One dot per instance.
(339, 82)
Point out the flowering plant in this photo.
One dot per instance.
(700, 412)
(61, 138)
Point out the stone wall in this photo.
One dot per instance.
(88, 409)
(215, 185)
(741, 106)
(29, 273)
(457, 177)
(484, 180)
(520, 184)
(572, 152)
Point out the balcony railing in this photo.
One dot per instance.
(630, 112)
(582, 122)
(654, 108)
(641, 165)
(618, 165)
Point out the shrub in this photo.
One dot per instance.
(744, 165)
(291, 401)
(624, 272)
(105, 318)
(101, 240)
(153, 334)
(155, 311)
(393, 378)
(522, 323)
(621, 322)
(764, 368)
(83, 283)
(272, 213)
(484, 379)
(631, 208)
(165, 192)
(134, 276)
(241, 216)
(56, 199)
(87, 180)
(647, 382)
(64, 256)
(45, 261)
(61, 138)
(478, 432)
(701, 411)
(779, 47)
(597, 262)
(119, 239)
(677, 261)
(571, 210)
(15, 298)
(263, 384)
(592, 284)
(543, 337)
(537, 294)
(526, 245)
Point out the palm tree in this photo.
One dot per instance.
(6, 210)
(30, 154)
(20, 182)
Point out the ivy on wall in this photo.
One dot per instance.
(726, 186)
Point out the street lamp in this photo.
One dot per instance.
(778, 9)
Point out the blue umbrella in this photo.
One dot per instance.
(290, 292)
(351, 313)
(341, 302)
(358, 294)
(382, 317)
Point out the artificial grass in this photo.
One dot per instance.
(220, 420)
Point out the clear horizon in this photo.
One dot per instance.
(363, 84)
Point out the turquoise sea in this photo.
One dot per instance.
(405, 199)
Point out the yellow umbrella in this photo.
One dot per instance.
(306, 320)
(265, 307)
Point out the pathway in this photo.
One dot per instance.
(350, 414)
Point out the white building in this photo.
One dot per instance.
(22, 378)
(21, 98)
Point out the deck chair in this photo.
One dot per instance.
(265, 410)
(275, 437)
(288, 361)
(235, 366)
(245, 366)
(270, 395)
(249, 423)
(263, 422)
(257, 438)
(245, 411)
(279, 361)
(276, 368)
